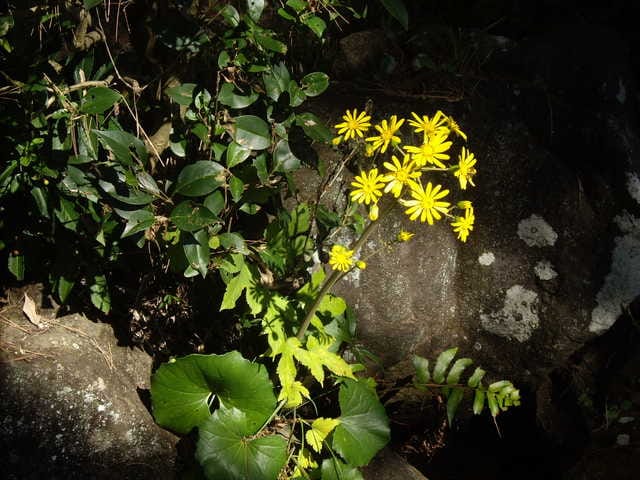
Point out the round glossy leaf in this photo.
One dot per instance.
(334, 469)
(313, 127)
(200, 178)
(316, 24)
(227, 451)
(315, 83)
(236, 154)
(189, 217)
(98, 100)
(364, 426)
(196, 250)
(182, 390)
(252, 132)
(123, 145)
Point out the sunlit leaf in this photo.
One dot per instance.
(182, 390)
(196, 249)
(320, 428)
(251, 132)
(284, 159)
(315, 83)
(364, 426)
(442, 363)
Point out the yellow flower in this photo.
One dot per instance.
(340, 258)
(387, 134)
(454, 127)
(404, 236)
(465, 169)
(368, 187)
(336, 140)
(426, 203)
(354, 124)
(435, 125)
(463, 225)
(400, 174)
(465, 205)
(431, 151)
(361, 264)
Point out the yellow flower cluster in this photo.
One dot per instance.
(426, 199)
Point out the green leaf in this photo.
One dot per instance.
(296, 97)
(478, 402)
(40, 197)
(397, 10)
(16, 266)
(474, 380)
(235, 287)
(199, 178)
(457, 369)
(284, 159)
(181, 391)
(255, 8)
(297, 5)
(230, 15)
(123, 145)
(138, 221)
(147, 183)
(236, 154)
(98, 100)
(442, 363)
(229, 98)
(493, 403)
(315, 83)
(334, 469)
(67, 214)
(422, 370)
(100, 294)
(234, 241)
(313, 127)
(196, 249)
(299, 220)
(236, 187)
(182, 94)
(89, 4)
(251, 132)
(260, 164)
(270, 43)
(364, 426)
(227, 449)
(189, 217)
(64, 288)
(215, 202)
(454, 399)
(276, 81)
(125, 194)
(316, 24)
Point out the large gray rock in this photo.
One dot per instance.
(554, 257)
(70, 406)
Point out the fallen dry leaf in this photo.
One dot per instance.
(29, 309)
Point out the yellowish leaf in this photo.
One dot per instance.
(30, 310)
(320, 428)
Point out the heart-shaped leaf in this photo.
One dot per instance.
(364, 426)
(227, 451)
(200, 178)
(181, 391)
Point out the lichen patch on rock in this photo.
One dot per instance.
(517, 319)
(536, 232)
(544, 270)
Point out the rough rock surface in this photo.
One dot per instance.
(388, 465)
(70, 406)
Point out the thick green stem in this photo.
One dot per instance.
(331, 281)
